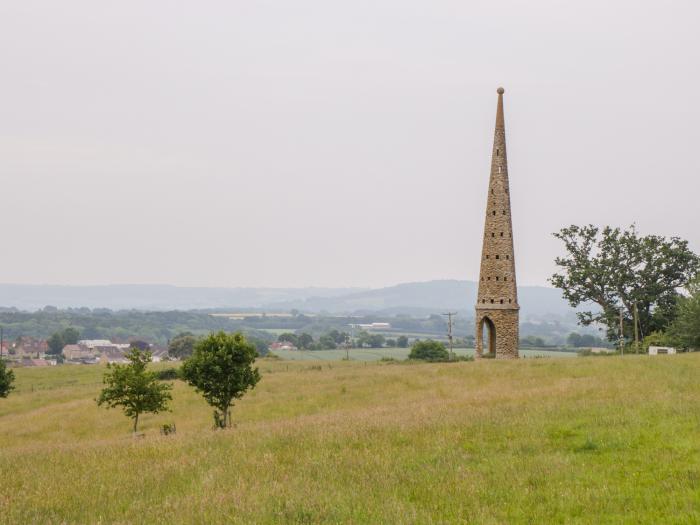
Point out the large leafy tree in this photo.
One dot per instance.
(289, 337)
(619, 269)
(182, 345)
(7, 377)
(305, 341)
(221, 370)
(134, 388)
(58, 340)
(685, 330)
(70, 336)
(55, 343)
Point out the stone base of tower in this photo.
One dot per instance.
(502, 332)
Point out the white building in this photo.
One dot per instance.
(661, 350)
(92, 343)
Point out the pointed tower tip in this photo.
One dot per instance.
(500, 123)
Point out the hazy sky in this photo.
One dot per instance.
(334, 143)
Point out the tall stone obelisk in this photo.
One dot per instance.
(497, 310)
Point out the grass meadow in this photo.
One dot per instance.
(585, 440)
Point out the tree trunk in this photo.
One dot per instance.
(136, 422)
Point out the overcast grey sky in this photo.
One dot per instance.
(329, 143)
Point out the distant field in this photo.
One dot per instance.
(375, 354)
(586, 440)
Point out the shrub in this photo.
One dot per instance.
(168, 374)
(429, 351)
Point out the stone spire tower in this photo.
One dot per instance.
(497, 310)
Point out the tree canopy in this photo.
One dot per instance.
(685, 330)
(619, 269)
(220, 368)
(134, 388)
(371, 340)
(67, 336)
(7, 377)
(182, 345)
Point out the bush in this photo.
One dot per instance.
(429, 350)
(168, 374)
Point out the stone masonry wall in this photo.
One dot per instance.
(497, 298)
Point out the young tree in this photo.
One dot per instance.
(7, 377)
(134, 388)
(402, 341)
(221, 370)
(429, 351)
(616, 268)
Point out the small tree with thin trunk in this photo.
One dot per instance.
(134, 388)
(7, 377)
(221, 370)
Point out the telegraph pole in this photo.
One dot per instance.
(449, 331)
(348, 344)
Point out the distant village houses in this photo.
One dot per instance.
(282, 345)
(27, 351)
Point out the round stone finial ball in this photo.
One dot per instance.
(500, 91)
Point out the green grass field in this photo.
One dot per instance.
(586, 440)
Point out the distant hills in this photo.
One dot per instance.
(420, 298)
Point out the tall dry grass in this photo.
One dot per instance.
(584, 440)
